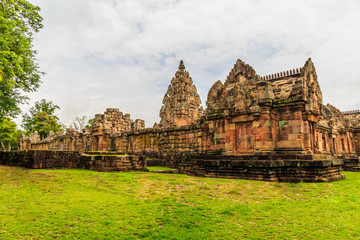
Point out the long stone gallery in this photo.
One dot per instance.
(272, 128)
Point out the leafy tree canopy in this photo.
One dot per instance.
(19, 70)
(41, 118)
(44, 106)
(8, 134)
(90, 123)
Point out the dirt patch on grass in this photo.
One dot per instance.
(47, 174)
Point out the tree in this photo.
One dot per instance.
(44, 106)
(8, 134)
(19, 70)
(42, 119)
(43, 123)
(90, 123)
(79, 123)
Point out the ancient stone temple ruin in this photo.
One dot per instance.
(272, 127)
(181, 103)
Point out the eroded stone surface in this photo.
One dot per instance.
(281, 114)
(181, 103)
(73, 159)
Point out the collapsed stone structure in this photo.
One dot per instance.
(273, 127)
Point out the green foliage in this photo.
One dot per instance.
(90, 123)
(42, 119)
(8, 134)
(44, 106)
(43, 123)
(81, 204)
(19, 71)
(282, 124)
(289, 100)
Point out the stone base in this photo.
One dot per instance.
(351, 164)
(276, 171)
(275, 167)
(39, 159)
(272, 167)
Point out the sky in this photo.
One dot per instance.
(123, 53)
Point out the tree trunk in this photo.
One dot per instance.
(2, 144)
(9, 146)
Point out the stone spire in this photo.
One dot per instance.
(181, 66)
(181, 103)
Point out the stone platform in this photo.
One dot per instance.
(279, 168)
(271, 167)
(351, 164)
(105, 162)
(275, 171)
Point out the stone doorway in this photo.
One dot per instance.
(244, 138)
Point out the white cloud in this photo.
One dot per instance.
(123, 54)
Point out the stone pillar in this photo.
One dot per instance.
(294, 133)
(263, 130)
(230, 138)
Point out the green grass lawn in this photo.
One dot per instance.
(159, 168)
(81, 204)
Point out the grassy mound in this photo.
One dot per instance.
(81, 204)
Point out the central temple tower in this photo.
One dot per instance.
(181, 103)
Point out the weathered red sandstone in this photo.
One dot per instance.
(181, 103)
(248, 118)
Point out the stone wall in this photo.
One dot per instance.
(247, 115)
(352, 118)
(39, 159)
(166, 142)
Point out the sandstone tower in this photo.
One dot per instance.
(181, 103)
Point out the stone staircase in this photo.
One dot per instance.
(351, 164)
